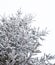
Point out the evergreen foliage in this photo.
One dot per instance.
(19, 42)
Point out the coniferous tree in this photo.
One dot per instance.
(19, 42)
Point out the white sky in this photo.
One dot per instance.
(44, 10)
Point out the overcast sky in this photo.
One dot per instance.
(44, 12)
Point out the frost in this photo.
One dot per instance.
(19, 42)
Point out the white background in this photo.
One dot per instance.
(44, 12)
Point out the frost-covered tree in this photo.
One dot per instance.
(19, 42)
